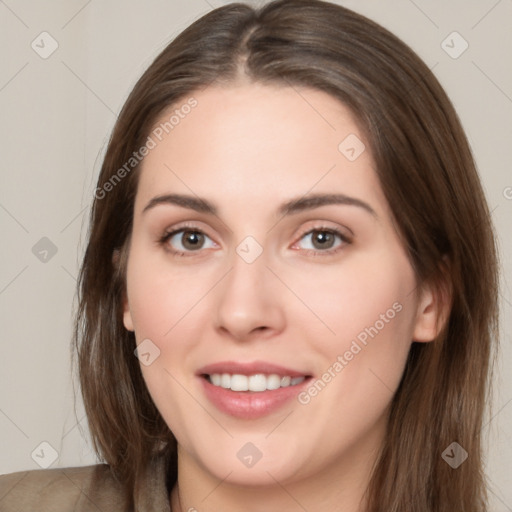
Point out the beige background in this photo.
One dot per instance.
(56, 116)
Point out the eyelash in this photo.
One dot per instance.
(345, 240)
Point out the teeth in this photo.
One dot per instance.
(285, 382)
(225, 381)
(239, 383)
(258, 382)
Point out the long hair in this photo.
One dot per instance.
(426, 170)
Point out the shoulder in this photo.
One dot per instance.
(67, 489)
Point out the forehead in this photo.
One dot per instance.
(255, 141)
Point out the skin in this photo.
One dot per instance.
(247, 149)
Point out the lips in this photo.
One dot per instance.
(253, 368)
(250, 390)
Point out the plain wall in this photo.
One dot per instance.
(57, 112)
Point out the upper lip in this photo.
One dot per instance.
(249, 368)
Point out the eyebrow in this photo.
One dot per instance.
(289, 208)
(191, 202)
(316, 200)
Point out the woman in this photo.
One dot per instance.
(288, 295)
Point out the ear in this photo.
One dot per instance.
(434, 306)
(127, 317)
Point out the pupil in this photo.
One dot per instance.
(323, 239)
(192, 239)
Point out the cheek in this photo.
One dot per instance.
(160, 296)
(165, 306)
(354, 295)
(368, 312)
(162, 307)
(370, 308)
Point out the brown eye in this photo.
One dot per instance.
(187, 241)
(323, 241)
(192, 240)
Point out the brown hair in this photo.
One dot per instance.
(428, 176)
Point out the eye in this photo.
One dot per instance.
(187, 240)
(322, 240)
(190, 240)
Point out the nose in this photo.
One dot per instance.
(249, 303)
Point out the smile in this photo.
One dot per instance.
(256, 383)
(251, 390)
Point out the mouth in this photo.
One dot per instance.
(257, 383)
(251, 390)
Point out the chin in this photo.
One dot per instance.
(248, 464)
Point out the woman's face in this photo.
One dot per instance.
(270, 292)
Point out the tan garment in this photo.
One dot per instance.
(85, 489)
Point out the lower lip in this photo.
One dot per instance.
(250, 405)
